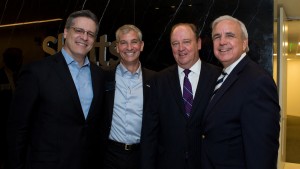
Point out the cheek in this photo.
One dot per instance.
(174, 50)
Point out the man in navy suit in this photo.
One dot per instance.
(56, 104)
(171, 132)
(240, 127)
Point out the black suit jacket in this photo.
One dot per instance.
(47, 128)
(169, 138)
(241, 123)
(147, 75)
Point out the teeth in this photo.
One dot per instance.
(80, 43)
(223, 50)
(129, 53)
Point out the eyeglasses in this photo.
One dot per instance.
(82, 32)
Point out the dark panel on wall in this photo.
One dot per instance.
(154, 17)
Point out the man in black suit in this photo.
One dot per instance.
(56, 103)
(171, 127)
(125, 98)
(240, 127)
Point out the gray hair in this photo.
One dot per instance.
(127, 28)
(242, 25)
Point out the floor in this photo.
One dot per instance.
(293, 139)
(293, 143)
(291, 166)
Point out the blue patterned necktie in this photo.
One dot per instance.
(187, 93)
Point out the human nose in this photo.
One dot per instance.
(84, 35)
(129, 46)
(181, 47)
(223, 40)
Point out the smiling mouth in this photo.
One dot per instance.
(224, 50)
(81, 44)
(182, 54)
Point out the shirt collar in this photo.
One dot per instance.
(232, 66)
(69, 59)
(195, 68)
(124, 70)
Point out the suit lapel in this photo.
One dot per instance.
(97, 86)
(62, 70)
(203, 91)
(175, 88)
(232, 77)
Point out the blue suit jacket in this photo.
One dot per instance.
(240, 127)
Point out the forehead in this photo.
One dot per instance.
(85, 23)
(128, 35)
(227, 26)
(182, 32)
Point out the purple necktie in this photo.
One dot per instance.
(187, 93)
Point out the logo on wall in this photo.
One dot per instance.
(98, 54)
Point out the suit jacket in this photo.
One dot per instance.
(47, 128)
(147, 75)
(241, 123)
(169, 138)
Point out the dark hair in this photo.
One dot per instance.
(82, 13)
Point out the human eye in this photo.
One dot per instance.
(215, 37)
(122, 42)
(174, 44)
(187, 42)
(230, 35)
(79, 30)
(134, 42)
(91, 34)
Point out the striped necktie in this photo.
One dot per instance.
(219, 82)
(187, 93)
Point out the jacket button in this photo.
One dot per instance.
(203, 136)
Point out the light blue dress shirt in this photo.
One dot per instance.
(82, 79)
(128, 106)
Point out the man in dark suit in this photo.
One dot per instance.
(171, 127)
(56, 103)
(125, 98)
(240, 127)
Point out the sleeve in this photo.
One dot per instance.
(261, 124)
(150, 129)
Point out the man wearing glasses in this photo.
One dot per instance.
(57, 102)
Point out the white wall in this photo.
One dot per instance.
(293, 87)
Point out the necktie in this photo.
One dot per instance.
(219, 82)
(187, 93)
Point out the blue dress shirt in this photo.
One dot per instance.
(82, 79)
(128, 106)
